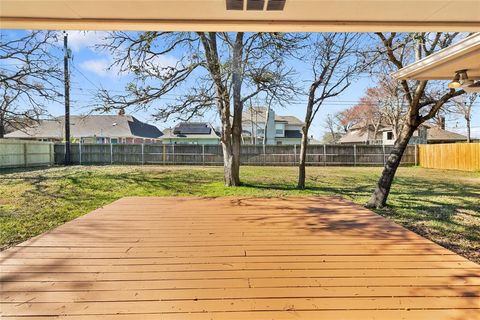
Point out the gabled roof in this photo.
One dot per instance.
(438, 134)
(354, 136)
(258, 114)
(121, 126)
(291, 120)
(434, 133)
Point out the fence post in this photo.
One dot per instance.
(111, 153)
(143, 156)
(25, 154)
(416, 156)
(173, 153)
(80, 152)
(294, 154)
(324, 155)
(264, 155)
(50, 149)
(164, 156)
(354, 155)
(203, 154)
(383, 146)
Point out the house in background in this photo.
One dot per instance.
(98, 129)
(261, 123)
(191, 133)
(426, 133)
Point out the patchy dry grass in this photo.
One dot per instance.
(443, 206)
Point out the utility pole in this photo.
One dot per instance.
(67, 98)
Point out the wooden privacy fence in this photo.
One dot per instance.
(457, 156)
(317, 155)
(22, 153)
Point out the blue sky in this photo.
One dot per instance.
(89, 73)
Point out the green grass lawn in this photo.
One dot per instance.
(443, 206)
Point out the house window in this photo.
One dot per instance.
(279, 143)
(260, 131)
(390, 135)
(279, 129)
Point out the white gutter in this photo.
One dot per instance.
(458, 50)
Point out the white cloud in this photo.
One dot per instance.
(84, 39)
(102, 66)
(164, 61)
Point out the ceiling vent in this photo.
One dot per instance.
(256, 5)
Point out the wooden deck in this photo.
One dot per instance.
(229, 258)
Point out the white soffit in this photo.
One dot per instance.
(442, 65)
(212, 15)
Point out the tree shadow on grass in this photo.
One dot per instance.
(445, 212)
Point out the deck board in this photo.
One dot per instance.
(235, 258)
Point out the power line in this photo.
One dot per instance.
(86, 78)
(173, 95)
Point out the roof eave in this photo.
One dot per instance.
(461, 48)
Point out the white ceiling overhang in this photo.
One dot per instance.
(212, 15)
(442, 65)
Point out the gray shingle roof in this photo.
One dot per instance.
(438, 134)
(117, 126)
(289, 120)
(354, 136)
(258, 114)
(434, 133)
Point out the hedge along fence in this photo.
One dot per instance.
(23, 153)
(456, 156)
(317, 155)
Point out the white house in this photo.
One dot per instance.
(261, 123)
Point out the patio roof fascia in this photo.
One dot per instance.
(461, 49)
(235, 25)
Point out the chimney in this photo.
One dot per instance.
(441, 122)
(121, 112)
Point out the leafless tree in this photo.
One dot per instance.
(29, 78)
(463, 106)
(333, 129)
(423, 103)
(389, 101)
(334, 59)
(219, 71)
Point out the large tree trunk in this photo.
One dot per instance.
(303, 159)
(237, 79)
(231, 133)
(235, 166)
(380, 195)
(228, 166)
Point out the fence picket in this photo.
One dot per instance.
(325, 155)
(456, 156)
(22, 153)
